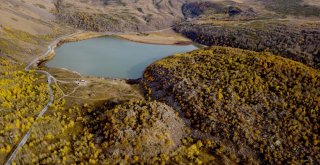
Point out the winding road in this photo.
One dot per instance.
(51, 48)
(51, 78)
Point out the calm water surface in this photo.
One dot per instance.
(112, 57)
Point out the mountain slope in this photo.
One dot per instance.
(245, 26)
(125, 15)
(264, 107)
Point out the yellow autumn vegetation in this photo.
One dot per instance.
(22, 95)
(265, 103)
(214, 105)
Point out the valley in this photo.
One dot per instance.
(247, 94)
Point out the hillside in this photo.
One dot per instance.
(294, 39)
(292, 33)
(120, 16)
(251, 97)
(27, 27)
(226, 105)
(263, 107)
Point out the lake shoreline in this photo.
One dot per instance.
(126, 36)
(163, 37)
(104, 56)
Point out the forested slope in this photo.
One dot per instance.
(217, 105)
(298, 42)
(264, 107)
(285, 28)
(22, 96)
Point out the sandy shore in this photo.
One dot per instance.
(81, 36)
(163, 37)
(166, 37)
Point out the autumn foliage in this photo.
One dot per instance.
(267, 104)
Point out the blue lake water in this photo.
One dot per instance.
(112, 57)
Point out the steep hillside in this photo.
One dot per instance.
(244, 26)
(294, 39)
(27, 27)
(125, 15)
(293, 7)
(263, 107)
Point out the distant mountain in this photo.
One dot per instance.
(120, 15)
